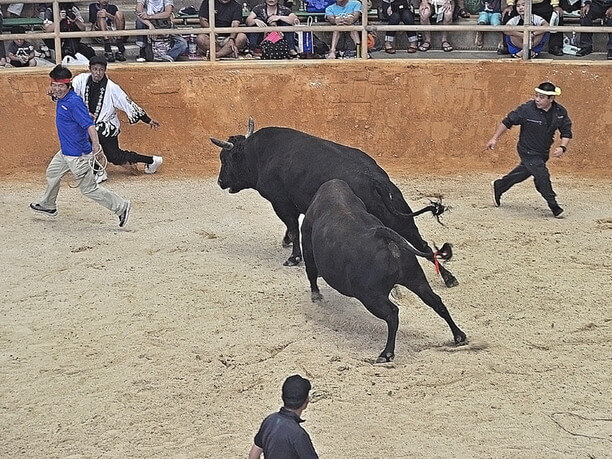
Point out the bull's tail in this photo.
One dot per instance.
(435, 207)
(389, 234)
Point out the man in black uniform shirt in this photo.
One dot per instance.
(539, 119)
(228, 13)
(280, 435)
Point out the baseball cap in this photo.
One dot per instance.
(295, 391)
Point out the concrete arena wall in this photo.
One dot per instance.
(409, 115)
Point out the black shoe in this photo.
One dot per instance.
(610, 54)
(38, 208)
(119, 56)
(496, 195)
(557, 211)
(123, 216)
(109, 57)
(555, 51)
(584, 51)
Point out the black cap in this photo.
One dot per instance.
(98, 59)
(295, 391)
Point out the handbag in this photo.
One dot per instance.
(305, 45)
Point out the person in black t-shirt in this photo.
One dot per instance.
(280, 435)
(539, 119)
(228, 13)
(106, 16)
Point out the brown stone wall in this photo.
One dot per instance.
(408, 114)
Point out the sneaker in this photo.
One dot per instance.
(109, 57)
(585, 51)
(38, 208)
(152, 168)
(167, 58)
(120, 56)
(123, 216)
(557, 211)
(101, 176)
(141, 59)
(610, 54)
(495, 195)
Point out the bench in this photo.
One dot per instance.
(26, 23)
(372, 15)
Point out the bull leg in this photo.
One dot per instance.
(286, 240)
(289, 216)
(312, 272)
(384, 309)
(419, 285)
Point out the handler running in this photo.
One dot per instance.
(77, 136)
(103, 98)
(539, 119)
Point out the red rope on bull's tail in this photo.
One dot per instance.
(436, 263)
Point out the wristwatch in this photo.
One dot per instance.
(563, 147)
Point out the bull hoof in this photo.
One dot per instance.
(461, 339)
(451, 281)
(292, 261)
(385, 358)
(316, 297)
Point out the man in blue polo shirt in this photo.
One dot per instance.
(280, 435)
(78, 139)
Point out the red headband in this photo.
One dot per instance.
(62, 80)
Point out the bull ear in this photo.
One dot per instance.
(222, 143)
(251, 128)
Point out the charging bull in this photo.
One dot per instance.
(287, 167)
(361, 258)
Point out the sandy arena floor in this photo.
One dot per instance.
(172, 338)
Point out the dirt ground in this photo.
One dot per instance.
(171, 338)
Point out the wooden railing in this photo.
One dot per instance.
(364, 28)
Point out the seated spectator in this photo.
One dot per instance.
(2, 49)
(106, 16)
(594, 9)
(271, 14)
(514, 40)
(547, 9)
(442, 11)
(489, 14)
(157, 14)
(396, 11)
(70, 21)
(228, 13)
(343, 12)
(20, 53)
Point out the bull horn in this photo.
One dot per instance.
(251, 128)
(222, 143)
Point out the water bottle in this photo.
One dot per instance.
(574, 41)
(193, 47)
(245, 10)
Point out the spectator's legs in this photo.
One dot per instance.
(254, 39)
(449, 8)
(334, 44)
(586, 39)
(545, 10)
(394, 19)
(425, 15)
(407, 18)
(141, 40)
(179, 46)
(203, 42)
(291, 42)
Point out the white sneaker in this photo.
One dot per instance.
(152, 168)
(101, 177)
(141, 59)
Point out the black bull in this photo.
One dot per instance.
(361, 258)
(287, 167)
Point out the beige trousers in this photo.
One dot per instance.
(80, 168)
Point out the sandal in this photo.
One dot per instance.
(446, 47)
(412, 49)
(425, 46)
(390, 50)
(464, 13)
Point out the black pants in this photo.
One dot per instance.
(404, 16)
(596, 11)
(545, 10)
(117, 156)
(531, 165)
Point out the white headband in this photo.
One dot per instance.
(556, 92)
